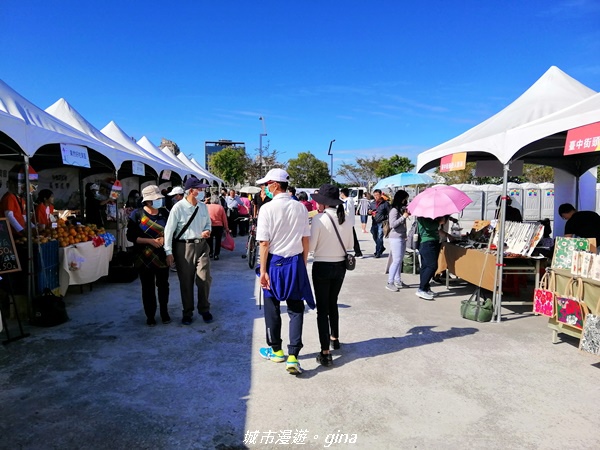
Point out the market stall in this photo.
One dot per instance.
(83, 263)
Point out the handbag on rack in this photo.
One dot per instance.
(477, 308)
(570, 308)
(350, 260)
(590, 335)
(564, 248)
(543, 296)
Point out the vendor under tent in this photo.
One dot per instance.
(551, 105)
(28, 134)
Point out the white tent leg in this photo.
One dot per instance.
(497, 299)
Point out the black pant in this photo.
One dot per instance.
(295, 309)
(215, 235)
(357, 250)
(232, 215)
(243, 225)
(328, 278)
(154, 278)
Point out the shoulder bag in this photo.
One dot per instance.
(350, 259)
(187, 224)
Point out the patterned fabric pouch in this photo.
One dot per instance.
(569, 309)
(590, 336)
(543, 296)
(563, 251)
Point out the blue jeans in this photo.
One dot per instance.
(377, 232)
(429, 252)
(397, 247)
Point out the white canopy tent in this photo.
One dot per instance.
(62, 110)
(145, 143)
(197, 164)
(186, 161)
(532, 128)
(114, 132)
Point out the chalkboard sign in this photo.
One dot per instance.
(9, 261)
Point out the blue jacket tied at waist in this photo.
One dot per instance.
(289, 279)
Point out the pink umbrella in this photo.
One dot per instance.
(438, 201)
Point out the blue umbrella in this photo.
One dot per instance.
(404, 179)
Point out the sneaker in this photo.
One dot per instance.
(166, 319)
(325, 359)
(400, 285)
(173, 268)
(151, 322)
(424, 295)
(216, 258)
(187, 320)
(268, 353)
(391, 287)
(433, 294)
(207, 317)
(293, 366)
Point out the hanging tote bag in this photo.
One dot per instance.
(543, 296)
(563, 251)
(569, 310)
(227, 242)
(590, 335)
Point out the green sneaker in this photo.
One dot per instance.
(268, 353)
(293, 366)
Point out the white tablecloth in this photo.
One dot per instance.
(82, 263)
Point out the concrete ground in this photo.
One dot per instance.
(411, 374)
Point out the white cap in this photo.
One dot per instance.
(279, 175)
(176, 191)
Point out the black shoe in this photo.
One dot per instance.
(325, 359)
(165, 318)
(151, 322)
(216, 258)
(335, 344)
(187, 320)
(377, 255)
(210, 255)
(207, 316)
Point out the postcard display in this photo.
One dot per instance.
(576, 268)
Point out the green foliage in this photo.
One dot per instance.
(532, 173)
(307, 171)
(230, 164)
(394, 165)
(362, 173)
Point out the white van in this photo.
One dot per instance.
(356, 193)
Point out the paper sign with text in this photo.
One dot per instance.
(75, 155)
(137, 168)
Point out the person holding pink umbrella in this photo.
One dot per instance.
(430, 207)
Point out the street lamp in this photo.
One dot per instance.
(260, 149)
(331, 154)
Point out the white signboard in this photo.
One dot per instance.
(75, 155)
(166, 175)
(137, 168)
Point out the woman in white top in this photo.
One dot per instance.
(329, 268)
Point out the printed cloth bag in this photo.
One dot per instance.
(543, 296)
(569, 309)
(563, 251)
(595, 271)
(590, 335)
(576, 261)
(587, 264)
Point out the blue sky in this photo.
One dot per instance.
(380, 77)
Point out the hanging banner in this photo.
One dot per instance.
(583, 139)
(166, 175)
(450, 163)
(75, 155)
(137, 168)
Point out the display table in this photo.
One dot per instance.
(479, 268)
(82, 263)
(591, 297)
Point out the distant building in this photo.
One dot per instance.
(171, 145)
(212, 147)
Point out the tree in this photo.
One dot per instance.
(537, 174)
(230, 164)
(308, 171)
(394, 165)
(262, 163)
(458, 176)
(362, 173)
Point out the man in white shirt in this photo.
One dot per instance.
(186, 234)
(283, 232)
(351, 215)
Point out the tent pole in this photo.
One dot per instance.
(497, 299)
(118, 217)
(29, 209)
